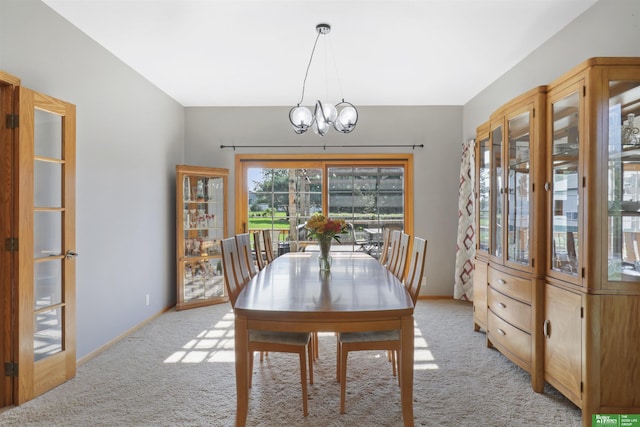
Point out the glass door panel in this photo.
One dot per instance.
(518, 175)
(623, 199)
(497, 190)
(484, 179)
(48, 240)
(565, 150)
(203, 225)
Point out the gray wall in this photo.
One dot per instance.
(436, 166)
(130, 135)
(608, 28)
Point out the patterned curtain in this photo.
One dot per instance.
(466, 246)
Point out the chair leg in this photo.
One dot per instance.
(338, 359)
(316, 346)
(303, 381)
(310, 350)
(393, 361)
(250, 368)
(343, 378)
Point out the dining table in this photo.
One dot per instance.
(293, 294)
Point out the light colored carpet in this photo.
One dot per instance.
(179, 370)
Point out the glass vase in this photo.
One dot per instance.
(324, 259)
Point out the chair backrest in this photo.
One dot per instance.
(243, 241)
(394, 243)
(257, 246)
(384, 252)
(416, 269)
(268, 245)
(401, 257)
(231, 265)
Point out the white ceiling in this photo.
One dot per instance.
(255, 53)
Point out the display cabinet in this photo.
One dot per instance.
(201, 195)
(592, 291)
(508, 285)
(482, 205)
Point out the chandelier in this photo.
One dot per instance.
(630, 132)
(342, 116)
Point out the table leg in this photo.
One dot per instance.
(406, 370)
(242, 367)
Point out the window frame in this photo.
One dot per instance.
(318, 161)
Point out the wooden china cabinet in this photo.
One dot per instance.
(201, 195)
(592, 290)
(564, 301)
(509, 275)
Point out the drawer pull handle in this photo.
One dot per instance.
(502, 281)
(501, 305)
(501, 332)
(547, 328)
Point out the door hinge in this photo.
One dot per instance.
(584, 91)
(12, 121)
(581, 387)
(10, 369)
(11, 244)
(583, 272)
(582, 312)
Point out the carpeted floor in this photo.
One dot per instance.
(179, 371)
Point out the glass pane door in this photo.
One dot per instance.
(518, 176)
(47, 235)
(497, 190)
(565, 150)
(203, 225)
(484, 179)
(623, 239)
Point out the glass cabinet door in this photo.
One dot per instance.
(623, 174)
(497, 190)
(201, 228)
(484, 179)
(565, 149)
(518, 176)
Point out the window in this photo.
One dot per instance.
(281, 194)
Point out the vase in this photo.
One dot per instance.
(324, 259)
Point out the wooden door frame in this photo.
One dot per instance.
(8, 258)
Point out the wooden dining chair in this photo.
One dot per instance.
(243, 241)
(384, 251)
(267, 341)
(257, 248)
(268, 245)
(381, 340)
(401, 257)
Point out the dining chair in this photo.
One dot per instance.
(267, 341)
(394, 243)
(384, 251)
(401, 257)
(381, 340)
(268, 245)
(257, 247)
(243, 241)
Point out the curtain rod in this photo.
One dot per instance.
(324, 147)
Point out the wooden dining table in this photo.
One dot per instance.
(293, 294)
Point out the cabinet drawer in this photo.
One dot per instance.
(511, 338)
(515, 287)
(510, 310)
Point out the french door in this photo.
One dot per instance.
(40, 336)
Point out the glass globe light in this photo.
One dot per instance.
(347, 119)
(300, 118)
(330, 112)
